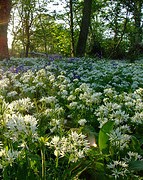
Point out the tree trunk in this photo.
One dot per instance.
(138, 18)
(71, 28)
(5, 7)
(85, 23)
(136, 45)
(27, 33)
(43, 30)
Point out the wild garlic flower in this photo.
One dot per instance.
(18, 84)
(11, 94)
(73, 105)
(41, 73)
(102, 121)
(52, 78)
(48, 100)
(28, 89)
(4, 83)
(139, 91)
(40, 84)
(119, 117)
(64, 93)
(118, 169)
(119, 139)
(109, 92)
(137, 118)
(23, 104)
(132, 156)
(139, 105)
(82, 122)
(58, 110)
(74, 146)
(77, 90)
(19, 125)
(84, 87)
(71, 97)
(27, 76)
(9, 155)
(96, 98)
(55, 122)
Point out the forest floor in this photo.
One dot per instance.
(75, 118)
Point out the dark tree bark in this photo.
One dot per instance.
(5, 7)
(72, 28)
(27, 33)
(85, 23)
(138, 19)
(136, 45)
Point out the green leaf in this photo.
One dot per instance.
(103, 139)
(99, 167)
(136, 165)
(135, 144)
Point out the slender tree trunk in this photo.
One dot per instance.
(44, 31)
(5, 7)
(27, 33)
(137, 20)
(71, 28)
(119, 40)
(85, 23)
(136, 46)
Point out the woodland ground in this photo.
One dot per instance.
(75, 118)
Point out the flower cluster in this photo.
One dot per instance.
(74, 146)
(120, 169)
(56, 99)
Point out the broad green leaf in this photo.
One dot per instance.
(104, 138)
(135, 144)
(136, 165)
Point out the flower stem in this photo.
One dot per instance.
(43, 164)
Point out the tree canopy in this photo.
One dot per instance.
(110, 29)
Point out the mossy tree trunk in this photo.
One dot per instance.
(5, 7)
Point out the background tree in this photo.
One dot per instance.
(24, 12)
(84, 28)
(72, 27)
(136, 37)
(5, 8)
(110, 29)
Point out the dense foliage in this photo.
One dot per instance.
(71, 118)
(113, 29)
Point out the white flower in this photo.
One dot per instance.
(2, 152)
(18, 125)
(49, 99)
(23, 104)
(4, 83)
(73, 146)
(82, 122)
(137, 118)
(73, 104)
(119, 139)
(52, 78)
(55, 140)
(64, 92)
(41, 72)
(10, 155)
(118, 169)
(71, 98)
(80, 154)
(11, 94)
(132, 156)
